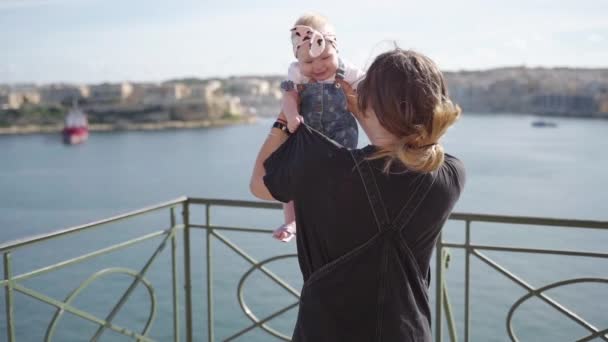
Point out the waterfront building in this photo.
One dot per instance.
(4, 101)
(234, 105)
(57, 94)
(110, 93)
(207, 90)
(547, 91)
(257, 95)
(565, 104)
(164, 94)
(17, 98)
(192, 109)
(603, 104)
(242, 86)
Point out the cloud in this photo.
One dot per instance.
(517, 43)
(17, 4)
(595, 38)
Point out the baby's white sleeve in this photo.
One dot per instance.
(293, 73)
(353, 75)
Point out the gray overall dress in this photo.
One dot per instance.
(391, 303)
(323, 106)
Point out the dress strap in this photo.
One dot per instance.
(371, 189)
(422, 185)
(340, 72)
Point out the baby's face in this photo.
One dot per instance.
(319, 68)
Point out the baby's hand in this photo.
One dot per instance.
(294, 123)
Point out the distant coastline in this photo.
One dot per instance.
(130, 126)
(193, 102)
(546, 116)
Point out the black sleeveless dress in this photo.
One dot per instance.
(364, 238)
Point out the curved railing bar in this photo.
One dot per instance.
(59, 312)
(529, 288)
(241, 299)
(13, 245)
(262, 321)
(127, 293)
(538, 293)
(594, 335)
(82, 314)
(252, 261)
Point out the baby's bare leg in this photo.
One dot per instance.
(289, 212)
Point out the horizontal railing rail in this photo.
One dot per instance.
(28, 241)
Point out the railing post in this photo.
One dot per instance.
(445, 260)
(8, 293)
(439, 289)
(209, 275)
(187, 278)
(467, 277)
(175, 278)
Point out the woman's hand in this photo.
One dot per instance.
(351, 98)
(293, 124)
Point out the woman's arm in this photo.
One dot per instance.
(275, 138)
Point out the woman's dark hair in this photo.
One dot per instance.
(407, 92)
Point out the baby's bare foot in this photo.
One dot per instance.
(285, 232)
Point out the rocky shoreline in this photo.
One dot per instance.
(130, 126)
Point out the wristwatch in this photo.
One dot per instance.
(288, 85)
(281, 126)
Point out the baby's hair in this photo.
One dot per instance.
(317, 22)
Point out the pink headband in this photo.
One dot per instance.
(301, 34)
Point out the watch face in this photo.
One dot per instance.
(281, 126)
(287, 85)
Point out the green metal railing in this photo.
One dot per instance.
(475, 250)
(13, 283)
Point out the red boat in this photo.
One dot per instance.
(76, 129)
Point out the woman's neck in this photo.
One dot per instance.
(378, 135)
(381, 140)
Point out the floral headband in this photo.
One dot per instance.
(301, 34)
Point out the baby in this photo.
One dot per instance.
(312, 83)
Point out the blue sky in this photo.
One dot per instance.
(91, 41)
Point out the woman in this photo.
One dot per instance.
(369, 218)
